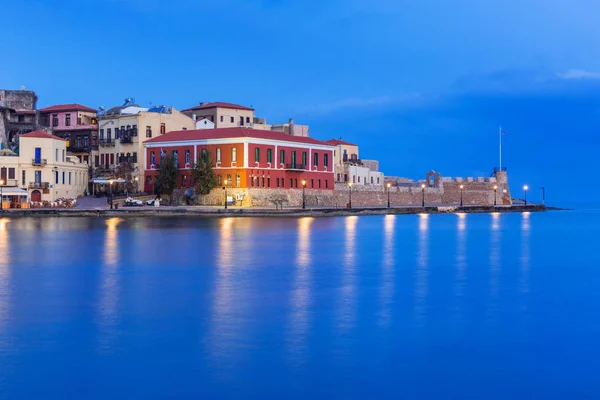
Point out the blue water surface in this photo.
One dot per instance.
(481, 306)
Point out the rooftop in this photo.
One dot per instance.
(237, 132)
(337, 142)
(40, 135)
(67, 107)
(219, 104)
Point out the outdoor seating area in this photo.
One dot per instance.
(13, 197)
(59, 203)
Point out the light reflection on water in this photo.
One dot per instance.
(109, 290)
(422, 273)
(461, 254)
(388, 267)
(347, 302)
(5, 263)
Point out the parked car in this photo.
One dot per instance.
(129, 202)
(151, 201)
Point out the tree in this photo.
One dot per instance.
(126, 171)
(203, 175)
(168, 175)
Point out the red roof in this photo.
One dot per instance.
(226, 133)
(219, 104)
(337, 142)
(25, 112)
(41, 135)
(67, 107)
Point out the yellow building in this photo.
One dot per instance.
(123, 131)
(44, 168)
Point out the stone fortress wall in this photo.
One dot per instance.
(438, 191)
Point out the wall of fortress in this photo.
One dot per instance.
(442, 191)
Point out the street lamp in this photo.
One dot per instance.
(350, 194)
(495, 196)
(388, 190)
(543, 196)
(303, 197)
(225, 191)
(111, 196)
(461, 194)
(1, 203)
(525, 188)
(423, 200)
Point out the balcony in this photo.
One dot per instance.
(106, 142)
(80, 149)
(295, 167)
(39, 185)
(39, 161)
(126, 139)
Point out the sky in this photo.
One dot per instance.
(418, 85)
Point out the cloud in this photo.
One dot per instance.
(578, 74)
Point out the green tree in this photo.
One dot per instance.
(168, 175)
(126, 171)
(203, 175)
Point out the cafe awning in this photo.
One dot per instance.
(13, 191)
(107, 181)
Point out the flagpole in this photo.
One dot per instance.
(500, 139)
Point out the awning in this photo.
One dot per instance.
(13, 191)
(107, 181)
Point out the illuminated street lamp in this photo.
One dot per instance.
(461, 194)
(525, 189)
(303, 197)
(388, 190)
(349, 194)
(225, 191)
(111, 195)
(495, 196)
(543, 196)
(1, 203)
(423, 200)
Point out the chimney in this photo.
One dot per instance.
(291, 128)
(194, 117)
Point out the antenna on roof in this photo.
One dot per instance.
(102, 108)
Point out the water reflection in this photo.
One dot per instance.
(347, 309)
(421, 289)
(461, 254)
(525, 255)
(5, 263)
(301, 296)
(387, 276)
(495, 262)
(109, 291)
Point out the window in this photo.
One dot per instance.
(112, 159)
(296, 183)
(78, 120)
(251, 181)
(152, 158)
(220, 180)
(134, 157)
(371, 180)
(68, 120)
(134, 130)
(339, 176)
(277, 182)
(117, 133)
(256, 154)
(312, 183)
(263, 181)
(291, 183)
(54, 119)
(184, 128)
(304, 159)
(319, 184)
(63, 155)
(108, 134)
(359, 179)
(345, 177)
(282, 157)
(175, 155)
(229, 183)
(85, 141)
(69, 178)
(101, 134)
(269, 181)
(238, 180)
(233, 154)
(187, 156)
(378, 180)
(204, 156)
(21, 118)
(163, 129)
(316, 159)
(148, 131)
(232, 120)
(102, 159)
(56, 177)
(294, 158)
(326, 184)
(326, 160)
(23, 177)
(241, 121)
(11, 173)
(269, 156)
(221, 118)
(353, 178)
(247, 120)
(127, 131)
(218, 154)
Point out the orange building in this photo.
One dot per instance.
(245, 158)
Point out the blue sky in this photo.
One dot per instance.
(418, 85)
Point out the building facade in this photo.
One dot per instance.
(349, 168)
(244, 158)
(44, 168)
(123, 131)
(75, 123)
(17, 116)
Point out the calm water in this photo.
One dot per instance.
(441, 306)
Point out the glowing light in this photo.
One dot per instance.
(525, 187)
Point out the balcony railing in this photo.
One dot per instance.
(295, 167)
(107, 142)
(126, 139)
(39, 161)
(39, 185)
(80, 149)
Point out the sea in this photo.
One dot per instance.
(447, 306)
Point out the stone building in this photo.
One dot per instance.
(124, 129)
(43, 168)
(349, 168)
(17, 116)
(76, 124)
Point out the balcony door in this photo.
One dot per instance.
(38, 177)
(294, 159)
(38, 155)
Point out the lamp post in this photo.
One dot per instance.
(525, 188)
(461, 194)
(225, 191)
(349, 194)
(303, 197)
(111, 195)
(495, 195)
(423, 199)
(1, 202)
(543, 196)
(388, 190)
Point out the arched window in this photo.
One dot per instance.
(233, 154)
(218, 154)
